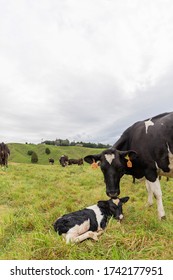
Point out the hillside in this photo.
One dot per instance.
(19, 152)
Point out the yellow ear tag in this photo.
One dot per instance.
(129, 163)
(94, 165)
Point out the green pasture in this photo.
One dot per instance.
(32, 196)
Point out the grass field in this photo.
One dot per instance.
(34, 195)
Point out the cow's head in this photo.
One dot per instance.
(114, 164)
(114, 207)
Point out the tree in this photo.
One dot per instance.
(34, 158)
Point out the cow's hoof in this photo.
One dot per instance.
(148, 204)
(163, 218)
(93, 235)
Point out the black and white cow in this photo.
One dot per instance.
(51, 161)
(75, 161)
(63, 160)
(145, 149)
(89, 222)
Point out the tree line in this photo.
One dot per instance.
(66, 142)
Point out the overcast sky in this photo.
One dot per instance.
(83, 69)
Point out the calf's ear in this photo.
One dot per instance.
(124, 199)
(92, 158)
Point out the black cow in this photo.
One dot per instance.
(89, 222)
(145, 149)
(75, 161)
(4, 153)
(63, 160)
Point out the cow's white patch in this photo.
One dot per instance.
(170, 155)
(154, 188)
(148, 124)
(109, 158)
(116, 201)
(98, 213)
(170, 173)
(75, 231)
(121, 216)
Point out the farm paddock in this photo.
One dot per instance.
(32, 196)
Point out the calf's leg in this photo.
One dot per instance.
(77, 239)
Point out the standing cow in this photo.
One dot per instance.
(63, 160)
(4, 153)
(145, 149)
(75, 161)
(51, 161)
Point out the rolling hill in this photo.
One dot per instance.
(19, 152)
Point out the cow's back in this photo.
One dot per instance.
(152, 140)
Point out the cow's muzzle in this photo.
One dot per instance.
(113, 194)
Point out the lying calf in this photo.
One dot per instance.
(89, 222)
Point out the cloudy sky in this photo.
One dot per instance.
(83, 69)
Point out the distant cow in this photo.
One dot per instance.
(63, 160)
(4, 153)
(89, 222)
(51, 161)
(75, 161)
(145, 149)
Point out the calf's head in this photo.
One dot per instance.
(114, 165)
(113, 207)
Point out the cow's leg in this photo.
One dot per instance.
(154, 188)
(86, 235)
(150, 193)
(89, 234)
(74, 238)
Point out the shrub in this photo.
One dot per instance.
(47, 151)
(29, 153)
(34, 158)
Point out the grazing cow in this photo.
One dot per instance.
(145, 149)
(75, 161)
(63, 160)
(4, 153)
(89, 222)
(51, 161)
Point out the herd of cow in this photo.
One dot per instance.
(64, 161)
(145, 149)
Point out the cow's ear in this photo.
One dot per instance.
(124, 199)
(132, 155)
(128, 154)
(92, 158)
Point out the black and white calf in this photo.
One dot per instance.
(89, 222)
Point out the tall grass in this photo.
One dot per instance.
(33, 196)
